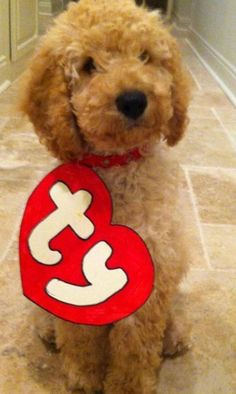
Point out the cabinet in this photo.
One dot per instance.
(48, 9)
(165, 5)
(18, 36)
(24, 27)
(4, 44)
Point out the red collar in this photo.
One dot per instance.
(92, 160)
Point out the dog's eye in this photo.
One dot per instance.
(144, 57)
(89, 66)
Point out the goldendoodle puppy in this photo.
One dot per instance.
(107, 78)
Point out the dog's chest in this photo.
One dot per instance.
(140, 193)
(125, 186)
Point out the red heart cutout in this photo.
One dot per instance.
(74, 262)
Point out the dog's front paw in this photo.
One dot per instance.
(82, 382)
(176, 341)
(117, 389)
(141, 382)
(47, 334)
(44, 326)
(126, 387)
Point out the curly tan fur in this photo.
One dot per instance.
(73, 112)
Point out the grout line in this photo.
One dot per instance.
(11, 178)
(230, 138)
(194, 77)
(203, 116)
(194, 105)
(219, 224)
(38, 175)
(14, 232)
(225, 270)
(194, 203)
(207, 168)
(213, 270)
(197, 106)
(4, 121)
(195, 118)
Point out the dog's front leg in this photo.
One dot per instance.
(83, 351)
(44, 325)
(135, 350)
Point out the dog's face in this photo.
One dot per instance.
(120, 92)
(107, 78)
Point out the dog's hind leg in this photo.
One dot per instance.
(84, 355)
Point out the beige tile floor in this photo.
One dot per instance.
(208, 297)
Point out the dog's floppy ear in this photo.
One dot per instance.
(180, 95)
(46, 101)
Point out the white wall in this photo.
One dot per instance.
(215, 21)
(182, 11)
(212, 33)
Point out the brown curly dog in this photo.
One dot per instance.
(107, 78)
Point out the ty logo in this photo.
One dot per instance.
(70, 211)
(104, 282)
(74, 262)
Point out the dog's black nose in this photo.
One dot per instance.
(132, 103)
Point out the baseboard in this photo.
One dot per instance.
(179, 31)
(220, 68)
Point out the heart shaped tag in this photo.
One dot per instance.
(74, 262)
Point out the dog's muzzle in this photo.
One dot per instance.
(132, 103)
